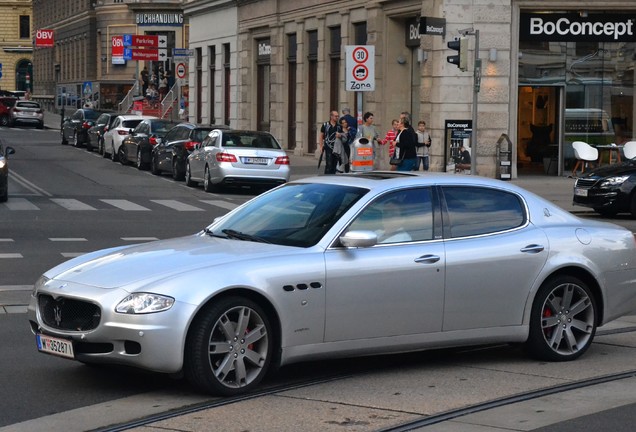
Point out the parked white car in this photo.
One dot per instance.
(119, 130)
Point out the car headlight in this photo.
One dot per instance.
(42, 280)
(3, 162)
(613, 181)
(143, 303)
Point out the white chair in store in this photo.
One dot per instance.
(584, 153)
(629, 150)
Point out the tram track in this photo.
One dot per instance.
(417, 423)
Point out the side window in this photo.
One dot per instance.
(77, 115)
(474, 211)
(400, 216)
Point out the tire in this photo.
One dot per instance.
(632, 206)
(228, 364)
(121, 155)
(208, 186)
(64, 141)
(89, 147)
(100, 147)
(40, 126)
(113, 154)
(188, 177)
(76, 141)
(608, 213)
(153, 166)
(140, 162)
(5, 120)
(4, 195)
(177, 173)
(563, 320)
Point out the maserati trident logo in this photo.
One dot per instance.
(57, 312)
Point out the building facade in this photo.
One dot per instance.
(16, 48)
(548, 73)
(90, 60)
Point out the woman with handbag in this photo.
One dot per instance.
(405, 147)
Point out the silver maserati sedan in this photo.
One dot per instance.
(345, 265)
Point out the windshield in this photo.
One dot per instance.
(292, 215)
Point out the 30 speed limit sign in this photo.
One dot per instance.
(360, 67)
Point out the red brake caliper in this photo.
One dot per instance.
(547, 313)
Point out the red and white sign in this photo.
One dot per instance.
(147, 54)
(44, 38)
(117, 50)
(149, 41)
(181, 70)
(360, 69)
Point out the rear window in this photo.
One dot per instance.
(199, 135)
(8, 102)
(161, 127)
(28, 105)
(130, 123)
(250, 140)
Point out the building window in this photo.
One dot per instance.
(292, 47)
(199, 78)
(227, 73)
(212, 83)
(334, 66)
(360, 33)
(25, 27)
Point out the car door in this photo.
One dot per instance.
(131, 142)
(72, 125)
(395, 287)
(109, 134)
(493, 256)
(163, 150)
(198, 158)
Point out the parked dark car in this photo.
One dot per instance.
(26, 111)
(610, 189)
(137, 147)
(75, 128)
(5, 106)
(96, 132)
(4, 171)
(171, 154)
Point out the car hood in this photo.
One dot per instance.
(626, 168)
(137, 265)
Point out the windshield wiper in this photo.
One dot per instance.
(211, 233)
(243, 236)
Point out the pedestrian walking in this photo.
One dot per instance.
(329, 131)
(405, 147)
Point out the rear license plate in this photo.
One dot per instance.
(255, 161)
(580, 192)
(55, 346)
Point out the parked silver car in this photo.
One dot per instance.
(237, 157)
(345, 265)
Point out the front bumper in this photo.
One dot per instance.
(152, 341)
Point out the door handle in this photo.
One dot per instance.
(533, 248)
(428, 259)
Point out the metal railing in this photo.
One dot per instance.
(168, 101)
(128, 100)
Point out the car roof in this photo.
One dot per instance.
(135, 117)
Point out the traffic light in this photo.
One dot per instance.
(461, 59)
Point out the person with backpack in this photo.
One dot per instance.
(329, 131)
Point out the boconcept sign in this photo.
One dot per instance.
(575, 28)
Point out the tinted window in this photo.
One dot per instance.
(253, 140)
(400, 216)
(131, 123)
(8, 102)
(199, 134)
(90, 115)
(103, 119)
(160, 127)
(473, 211)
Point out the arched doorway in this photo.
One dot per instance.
(24, 75)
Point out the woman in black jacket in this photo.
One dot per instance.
(406, 142)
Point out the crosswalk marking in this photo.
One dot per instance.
(176, 205)
(72, 204)
(125, 205)
(20, 204)
(6, 240)
(72, 254)
(135, 239)
(67, 239)
(223, 204)
(10, 255)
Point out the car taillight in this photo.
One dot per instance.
(153, 140)
(17, 109)
(225, 157)
(122, 132)
(282, 160)
(86, 125)
(190, 145)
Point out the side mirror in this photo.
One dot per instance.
(130, 132)
(359, 239)
(9, 151)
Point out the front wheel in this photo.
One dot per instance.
(229, 347)
(64, 141)
(563, 320)
(188, 177)
(140, 163)
(208, 186)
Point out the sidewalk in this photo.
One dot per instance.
(555, 189)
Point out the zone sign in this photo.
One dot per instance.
(360, 68)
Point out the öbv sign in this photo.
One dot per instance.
(117, 50)
(44, 38)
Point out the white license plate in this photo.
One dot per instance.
(55, 346)
(255, 161)
(580, 192)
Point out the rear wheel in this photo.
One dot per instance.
(76, 140)
(154, 168)
(121, 155)
(208, 186)
(188, 177)
(563, 320)
(229, 347)
(177, 172)
(100, 146)
(4, 120)
(113, 154)
(140, 163)
(64, 141)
